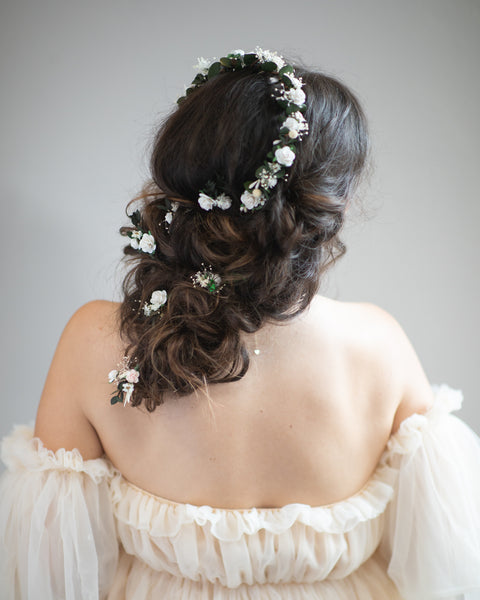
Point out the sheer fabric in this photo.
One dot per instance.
(77, 529)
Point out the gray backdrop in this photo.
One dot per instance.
(84, 84)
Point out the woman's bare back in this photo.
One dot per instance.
(307, 423)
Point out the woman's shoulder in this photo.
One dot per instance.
(377, 351)
(88, 348)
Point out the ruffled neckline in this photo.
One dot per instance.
(146, 511)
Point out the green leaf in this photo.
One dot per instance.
(214, 70)
(115, 399)
(286, 69)
(249, 59)
(291, 108)
(135, 218)
(199, 79)
(226, 62)
(286, 81)
(269, 66)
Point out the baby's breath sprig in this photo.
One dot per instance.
(208, 280)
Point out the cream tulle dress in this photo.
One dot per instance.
(76, 529)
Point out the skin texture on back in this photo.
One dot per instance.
(307, 423)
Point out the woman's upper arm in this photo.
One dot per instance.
(416, 394)
(61, 420)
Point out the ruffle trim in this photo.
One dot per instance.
(22, 452)
(160, 517)
(409, 435)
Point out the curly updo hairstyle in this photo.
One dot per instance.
(270, 259)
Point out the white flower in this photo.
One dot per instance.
(274, 167)
(169, 217)
(285, 156)
(296, 124)
(128, 389)
(223, 201)
(251, 200)
(248, 200)
(134, 243)
(297, 82)
(159, 297)
(175, 205)
(112, 376)
(296, 95)
(147, 243)
(136, 234)
(238, 52)
(205, 201)
(292, 124)
(269, 56)
(203, 64)
(147, 309)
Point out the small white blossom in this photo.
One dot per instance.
(266, 179)
(207, 279)
(269, 56)
(238, 52)
(157, 300)
(112, 376)
(205, 201)
(297, 82)
(203, 64)
(285, 156)
(174, 206)
(274, 167)
(134, 243)
(136, 234)
(251, 200)
(223, 201)
(169, 217)
(297, 96)
(147, 243)
(159, 297)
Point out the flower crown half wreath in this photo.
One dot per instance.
(289, 95)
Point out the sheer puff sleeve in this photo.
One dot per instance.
(432, 533)
(57, 532)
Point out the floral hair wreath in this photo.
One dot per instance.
(289, 96)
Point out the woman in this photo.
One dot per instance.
(260, 441)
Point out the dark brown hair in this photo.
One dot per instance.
(270, 260)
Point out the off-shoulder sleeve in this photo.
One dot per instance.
(432, 534)
(57, 532)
